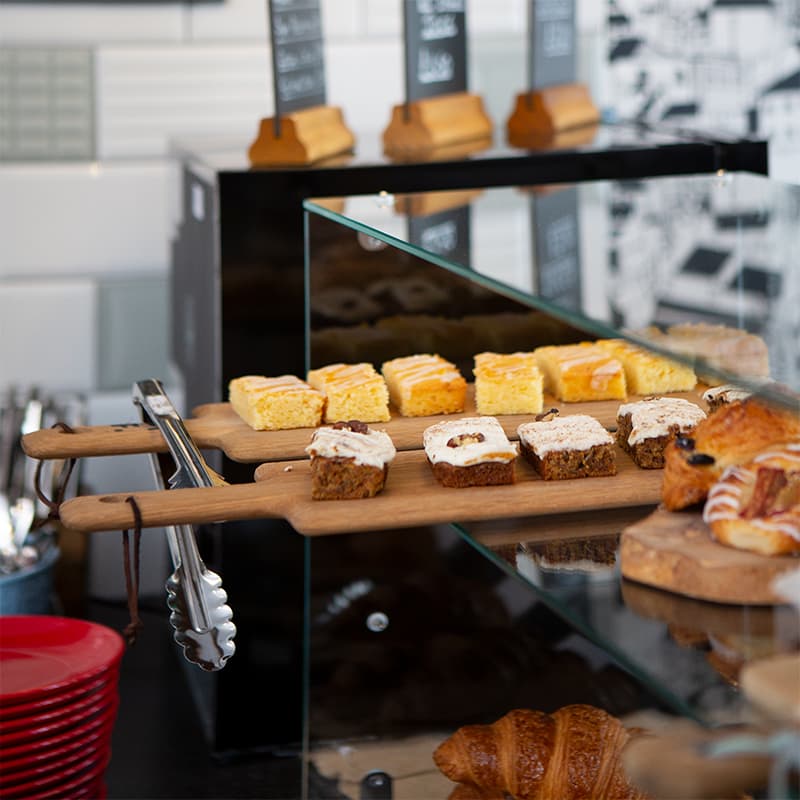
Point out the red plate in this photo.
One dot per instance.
(76, 710)
(10, 778)
(90, 786)
(40, 655)
(49, 742)
(93, 740)
(58, 785)
(109, 677)
(99, 710)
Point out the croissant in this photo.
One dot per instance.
(732, 435)
(572, 754)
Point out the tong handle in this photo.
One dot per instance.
(151, 398)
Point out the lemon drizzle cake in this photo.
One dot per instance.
(648, 373)
(423, 385)
(507, 383)
(577, 372)
(352, 391)
(270, 404)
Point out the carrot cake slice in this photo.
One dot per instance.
(572, 446)
(349, 460)
(472, 451)
(645, 427)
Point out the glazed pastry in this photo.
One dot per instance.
(756, 506)
(571, 754)
(734, 434)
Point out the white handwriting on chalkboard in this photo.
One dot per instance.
(440, 6)
(441, 238)
(299, 57)
(561, 237)
(435, 26)
(288, 26)
(556, 39)
(553, 9)
(293, 86)
(435, 66)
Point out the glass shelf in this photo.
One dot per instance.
(615, 258)
(511, 268)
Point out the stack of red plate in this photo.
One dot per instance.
(59, 695)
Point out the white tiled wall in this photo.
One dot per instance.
(166, 70)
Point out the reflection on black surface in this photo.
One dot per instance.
(463, 643)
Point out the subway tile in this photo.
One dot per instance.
(99, 218)
(47, 334)
(74, 23)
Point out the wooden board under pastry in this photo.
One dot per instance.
(410, 498)
(675, 551)
(217, 426)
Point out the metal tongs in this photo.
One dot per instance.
(200, 614)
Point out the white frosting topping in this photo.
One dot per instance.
(654, 417)
(494, 447)
(281, 384)
(725, 497)
(423, 367)
(572, 432)
(374, 448)
(728, 392)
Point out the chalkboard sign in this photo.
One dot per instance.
(435, 47)
(298, 60)
(446, 233)
(556, 246)
(551, 43)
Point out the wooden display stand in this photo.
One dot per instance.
(307, 136)
(434, 123)
(545, 113)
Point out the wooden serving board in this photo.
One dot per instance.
(773, 685)
(675, 551)
(218, 426)
(411, 497)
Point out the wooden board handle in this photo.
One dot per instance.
(96, 440)
(111, 512)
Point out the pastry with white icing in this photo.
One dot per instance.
(645, 427)
(472, 451)
(572, 446)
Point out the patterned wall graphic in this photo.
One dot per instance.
(721, 65)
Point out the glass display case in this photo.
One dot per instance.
(415, 631)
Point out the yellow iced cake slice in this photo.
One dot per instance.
(577, 372)
(272, 404)
(352, 391)
(647, 373)
(423, 385)
(507, 383)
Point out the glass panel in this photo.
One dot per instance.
(633, 258)
(510, 269)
